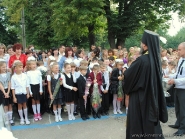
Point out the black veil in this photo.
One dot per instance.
(158, 102)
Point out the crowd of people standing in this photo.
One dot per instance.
(22, 81)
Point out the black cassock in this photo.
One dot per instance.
(146, 108)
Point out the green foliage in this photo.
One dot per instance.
(8, 33)
(50, 23)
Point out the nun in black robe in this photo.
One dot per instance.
(143, 84)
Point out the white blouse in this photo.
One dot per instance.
(19, 83)
(64, 80)
(35, 77)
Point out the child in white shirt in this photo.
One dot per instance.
(20, 89)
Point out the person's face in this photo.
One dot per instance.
(119, 66)
(55, 52)
(93, 54)
(68, 69)
(62, 49)
(74, 49)
(181, 50)
(81, 55)
(31, 48)
(121, 53)
(119, 47)
(55, 69)
(111, 61)
(33, 65)
(73, 68)
(105, 52)
(19, 68)
(115, 52)
(49, 53)
(83, 72)
(3, 68)
(103, 69)
(95, 71)
(10, 51)
(132, 50)
(70, 53)
(1, 49)
(106, 62)
(125, 54)
(164, 53)
(18, 51)
(43, 54)
(93, 47)
(110, 53)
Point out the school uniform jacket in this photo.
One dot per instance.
(81, 83)
(99, 81)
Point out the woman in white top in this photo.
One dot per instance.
(3, 56)
(54, 56)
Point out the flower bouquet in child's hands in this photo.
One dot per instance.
(120, 92)
(96, 98)
(87, 86)
(43, 71)
(57, 87)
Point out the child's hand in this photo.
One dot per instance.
(61, 83)
(75, 89)
(15, 100)
(51, 97)
(105, 91)
(95, 81)
(119, 77)
(84, 97)
(41, 93)
(27, 95)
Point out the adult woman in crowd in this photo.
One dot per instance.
(104, 54)
(69, 56)
(44, 58)
(79, 54)
(10, 50)
(54, 56)
(3, 56)
(17, 48)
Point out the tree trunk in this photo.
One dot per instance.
(91, 35)
(111, 39)
(120, 42)
(111, 34)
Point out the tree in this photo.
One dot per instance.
(8, 33)
(78, 18)
(130, 15)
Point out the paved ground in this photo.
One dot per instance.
(108, 127)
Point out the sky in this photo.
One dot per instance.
(175, 25)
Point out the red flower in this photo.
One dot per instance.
(60, 79)
(119, 99)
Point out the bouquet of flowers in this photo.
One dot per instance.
(96, 98)
(87, 86)
(57, 87)
(120, 92)
(43, 71)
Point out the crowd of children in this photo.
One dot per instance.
(65, 81)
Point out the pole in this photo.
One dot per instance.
(23, 29)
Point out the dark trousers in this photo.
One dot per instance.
(105, 102)
(180, 108)
(170, 100)
(88, 105)
(82, 107)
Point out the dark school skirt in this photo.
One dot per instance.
(21, 98)
(69, 95)
(35, 89)
(7, 101)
